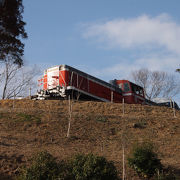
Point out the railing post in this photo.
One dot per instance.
(30, 93)
(174, 111)
(123, 106)
(111, 96)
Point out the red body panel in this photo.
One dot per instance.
(88, 85)
(63, 78)
(45, 82)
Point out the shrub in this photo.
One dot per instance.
(144, 161)
(43, 166)
(85, 167)
(81, 167)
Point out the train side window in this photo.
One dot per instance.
(134, 89)
(141, 92)
(126, 87)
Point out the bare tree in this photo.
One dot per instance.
(141, 77)
(16, 80)
(156, 83)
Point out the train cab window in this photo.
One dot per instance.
(126, 87)
(137, 90)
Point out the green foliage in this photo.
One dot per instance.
(144, 161)
(1, 115)
(23, 117)
(86, 167)
(101, 119)
(178, 70)
(81, 167)
(12, 31)
(43, 167)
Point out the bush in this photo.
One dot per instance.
(86, 167)
(81, 167)
(144, 161)
(43, 167)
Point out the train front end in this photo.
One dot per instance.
(54, 83)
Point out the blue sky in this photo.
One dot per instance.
(106, 38)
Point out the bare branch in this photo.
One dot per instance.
(16, 80)
(156, 83)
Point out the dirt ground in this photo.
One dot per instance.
(28, 126)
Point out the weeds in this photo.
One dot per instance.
(101, 119)
(166, 174)
(1, 115)
(22, 117)
(141, 124)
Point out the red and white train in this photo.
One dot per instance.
(63, 81)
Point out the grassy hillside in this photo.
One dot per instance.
(29, 126)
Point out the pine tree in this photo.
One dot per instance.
(12, 31)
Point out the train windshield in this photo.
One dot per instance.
(126, 87)
(137, 89)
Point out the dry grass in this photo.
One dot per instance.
(29, 126)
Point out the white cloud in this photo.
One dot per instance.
(123, 68)
(140, 32)
(154, 42)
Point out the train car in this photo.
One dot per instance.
(63, 81)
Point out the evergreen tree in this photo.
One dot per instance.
(12, 31)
